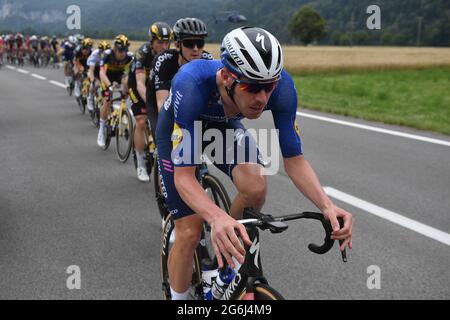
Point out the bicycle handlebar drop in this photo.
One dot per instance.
(277, 225)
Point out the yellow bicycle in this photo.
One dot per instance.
(120, 125)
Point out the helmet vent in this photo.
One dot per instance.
(250, 60)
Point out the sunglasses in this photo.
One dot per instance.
(122, 49)
(255, 87)
(191, 43)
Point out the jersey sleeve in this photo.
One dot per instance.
(139, 58)
(91, 61)
(162, 74)
(105, 59)
(186, 98)
(284, 111)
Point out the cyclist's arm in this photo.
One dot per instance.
(91, 65)
(140, 83)
(161, 96)
(307, 182)
(91, 74)
(103, 66)
(284, 102)
(103, 77)
(162, 79)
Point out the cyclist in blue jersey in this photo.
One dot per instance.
(247, 81)
(68, 47)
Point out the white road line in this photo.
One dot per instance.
(58, 84)
(396, 218)
(375, 129)
(34, 75)
(11, 67)
(23, 71)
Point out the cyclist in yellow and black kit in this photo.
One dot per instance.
(114, 67)
(160, 35)
(81, 53)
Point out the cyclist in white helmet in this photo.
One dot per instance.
(248, 81)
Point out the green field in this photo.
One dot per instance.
(415, 98)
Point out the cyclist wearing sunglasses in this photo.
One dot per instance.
(189, 34)
(114, 67)
(247, 81)
(160, 35)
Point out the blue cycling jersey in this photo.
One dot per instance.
(194, 96)
(68, 52)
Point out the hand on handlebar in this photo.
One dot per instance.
(225, 240)
(344, 234)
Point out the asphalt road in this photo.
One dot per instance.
(65, 202)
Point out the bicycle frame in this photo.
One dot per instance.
(116, 114)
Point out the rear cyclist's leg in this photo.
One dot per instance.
(104, 110)
(77, 83)
(140, 113)
(90, 97)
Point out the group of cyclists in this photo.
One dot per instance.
(38, 51)
(175, 89)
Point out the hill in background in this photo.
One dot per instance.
(346, 19)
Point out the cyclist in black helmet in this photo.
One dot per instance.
(190, 35)
(114, 67)
(161, 36)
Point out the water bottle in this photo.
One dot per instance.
(207, 278)
(224, 278)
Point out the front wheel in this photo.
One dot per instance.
(108, 134)
(124, 136)
(261, 292)
(82, 105)
(95, 115)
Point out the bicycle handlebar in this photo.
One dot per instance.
(116, 88)
(277, 225)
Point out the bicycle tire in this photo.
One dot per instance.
(96, 113)
(108, 133)
(263, 292)
(127, 133)
(82, 105)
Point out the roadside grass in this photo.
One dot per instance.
(414, 98)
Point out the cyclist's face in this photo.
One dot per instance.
(120, 55)
(251, 103)
(160, 46)
(192, 48)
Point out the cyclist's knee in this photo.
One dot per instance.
(188, 232)
(141, 122)
(250, 184)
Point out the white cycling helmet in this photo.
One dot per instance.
(253, 53)
(72, 39)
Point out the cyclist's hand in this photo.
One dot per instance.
(225, 241)
(115, 85)
(346, 232)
